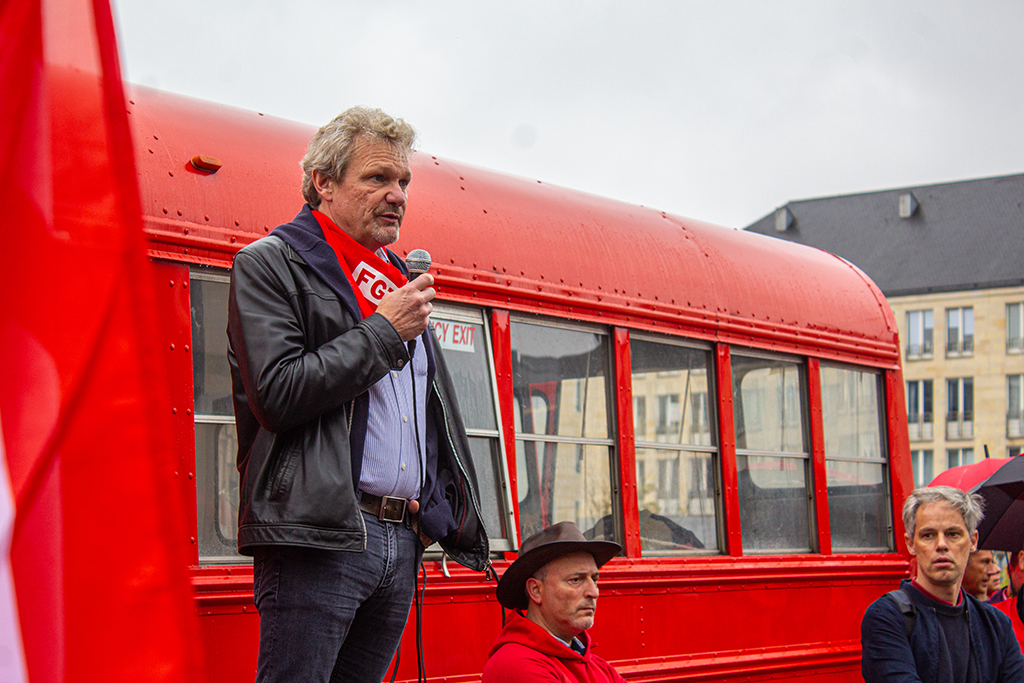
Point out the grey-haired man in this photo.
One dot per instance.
(352, 453)
(932, 631)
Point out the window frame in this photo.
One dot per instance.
(801, 362)
(963, 345)
(884, 459)
(611, 408)
(714, 449)
(223, 277)
(927, 457)
(959, 422)
(921, 429)
(482, 316)
(1015, 418)
(927, 345)
(1015, 334)
(959, 456)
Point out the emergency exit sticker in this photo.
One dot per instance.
(454, 336)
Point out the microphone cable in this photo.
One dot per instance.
(421, 596)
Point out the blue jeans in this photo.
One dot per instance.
(329, 615)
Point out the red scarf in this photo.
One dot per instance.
(370, 276)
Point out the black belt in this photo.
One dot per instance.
(384, 508)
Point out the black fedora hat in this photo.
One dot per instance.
(548, 544)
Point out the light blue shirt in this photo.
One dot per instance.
(394, 455)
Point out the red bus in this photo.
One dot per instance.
(727, 406)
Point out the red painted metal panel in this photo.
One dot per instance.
(727, 451)
(232, 642)
(819, 476)
(172, 288)
(513, 243)
(206, 217)
(626, 442)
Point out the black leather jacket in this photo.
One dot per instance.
(301, 364)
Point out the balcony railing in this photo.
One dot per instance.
(1015, 425)
(920, 427)
(919, 350)
(960, 425)
(958, 347)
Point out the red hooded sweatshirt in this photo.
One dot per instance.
(526, 652)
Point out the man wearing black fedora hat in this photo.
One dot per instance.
(552, 592)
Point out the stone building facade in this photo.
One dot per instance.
(950, 260)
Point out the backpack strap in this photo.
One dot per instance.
(906, 607)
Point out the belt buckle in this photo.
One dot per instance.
(392, 509)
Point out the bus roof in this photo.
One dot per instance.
(513, 243)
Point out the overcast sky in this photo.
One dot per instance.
(719, 110)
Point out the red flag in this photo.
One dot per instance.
(99, 565)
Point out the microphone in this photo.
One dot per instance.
(418, 262)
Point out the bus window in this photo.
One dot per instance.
(772, 453)
(464, 342)
(563, 446)
(216, 442)
(676, 457)
(855, 459)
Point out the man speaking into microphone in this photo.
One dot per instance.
(351, 449)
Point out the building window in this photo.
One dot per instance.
(668, 416)
(676, 457)
(639, 414)
(960, 331)
(1015, 406)
(959, 456)
(923, 467)
(960, 408)
(668, 478)
(772, 453)
(919, 409)
(1013, 451)
(1015, 328)
(920, 326)
(855, 460)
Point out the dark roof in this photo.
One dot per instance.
(963, 235)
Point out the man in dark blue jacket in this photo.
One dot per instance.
(931, 631)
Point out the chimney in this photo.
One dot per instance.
(783, 219)
(908, 205)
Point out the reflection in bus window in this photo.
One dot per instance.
(676, 457)
(772, 453)
(216, 444)
(855, 459)
(463, 339)
(564, 453)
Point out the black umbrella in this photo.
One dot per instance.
(1003, 525)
